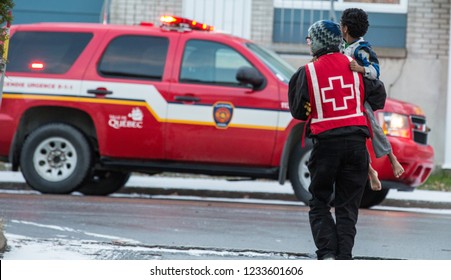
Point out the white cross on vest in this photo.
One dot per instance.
(333, 98)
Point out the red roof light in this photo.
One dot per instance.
(169, 19)
(145, 23)
(175, 22)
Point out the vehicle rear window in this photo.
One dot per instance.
(45, 52)
(130, 56)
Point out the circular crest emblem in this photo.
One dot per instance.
(222, 114)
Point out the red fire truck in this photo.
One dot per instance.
(84, 105)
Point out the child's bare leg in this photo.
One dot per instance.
(374, 180)
(398, 170)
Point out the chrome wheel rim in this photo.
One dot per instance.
(55, 159)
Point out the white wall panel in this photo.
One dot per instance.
(229, 16)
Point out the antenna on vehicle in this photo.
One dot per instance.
(105, 10)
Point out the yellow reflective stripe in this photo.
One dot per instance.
(133, 103)
(262, 127)
(190, 122)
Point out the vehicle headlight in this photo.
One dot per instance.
(394, 124)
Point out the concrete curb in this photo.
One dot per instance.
(272, 196)
(2, 238)
(407, 203)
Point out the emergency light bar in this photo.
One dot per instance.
(171, 21)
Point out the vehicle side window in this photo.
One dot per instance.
(45, 52)
(129, 56)
(211, 63)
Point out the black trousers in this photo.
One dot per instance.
(341, 162)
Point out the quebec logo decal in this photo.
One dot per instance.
(222, 114)
(132, 120)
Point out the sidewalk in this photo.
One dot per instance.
(268, 190)
(260, 189)
(2, 237)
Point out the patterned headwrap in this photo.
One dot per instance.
(324, 34)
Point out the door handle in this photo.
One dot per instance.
(100, 91)
(187, 98)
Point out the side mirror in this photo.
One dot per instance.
(250, 76)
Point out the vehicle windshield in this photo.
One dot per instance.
(278, 66)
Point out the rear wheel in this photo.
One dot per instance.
(104, 182)
(55, 158)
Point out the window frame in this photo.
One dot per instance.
(236, 85)
(47, 71)
(340, 5)
(134, 76)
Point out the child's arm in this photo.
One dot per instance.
(356, 67)
(366, 64)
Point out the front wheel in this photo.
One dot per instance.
(55, 158)
(298, 171)
(104, 182)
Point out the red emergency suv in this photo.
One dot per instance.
(84, 105)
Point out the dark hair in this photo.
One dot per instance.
(356, 20)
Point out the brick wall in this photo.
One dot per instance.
(428, 29)
(135, 11)
(262, 21)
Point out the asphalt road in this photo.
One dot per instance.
(143, 228)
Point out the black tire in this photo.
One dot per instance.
(372, 198)
(104, 182)
(298, 171)
(55, 158)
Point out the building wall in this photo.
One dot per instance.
(136, 11)
(418, 75)
(260, 18)
(262, 21)
(428, 29)
(421, 78)
(232, 16)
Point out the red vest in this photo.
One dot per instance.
(336, 94)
